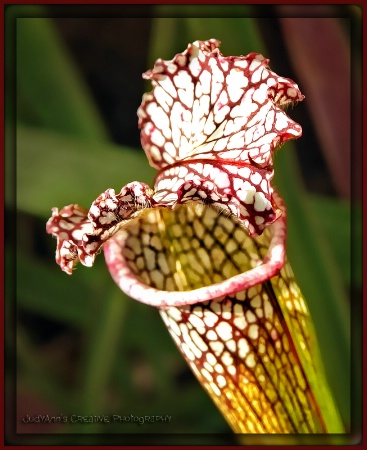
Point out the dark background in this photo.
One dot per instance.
(82, 346)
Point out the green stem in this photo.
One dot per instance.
(102, 350)
(319, 279)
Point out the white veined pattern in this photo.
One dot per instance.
(242, 347)
(210, 126)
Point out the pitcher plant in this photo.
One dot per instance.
(206, 245)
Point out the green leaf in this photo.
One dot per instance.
(329, 212)
(66, 299)
(38, 379)
(319, 278)
(52, 299)
(230, 24)
(56, 170)
(50, 91)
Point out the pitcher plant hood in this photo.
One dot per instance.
(210, 126)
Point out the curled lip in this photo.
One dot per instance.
(156, 293)
(210, 126)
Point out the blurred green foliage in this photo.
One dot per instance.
(113, 355)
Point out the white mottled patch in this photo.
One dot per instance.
(211, 335)
(110, 204)
(210, 318)
(224, 331)
(211, 359)
(77, 235)
(247, 194)
(256, 178)
(281, 121)
(168, 158)
(253, 331)
(231, 169)
(236, 82)
(220, 145)
(254, 65)
(243, 348)
(208, 367)
(222, 101)
(244, 172)
(221, 381)
(217, 347)
(269, 120)
(210, 126)
(206, 375)
(221, 114)
(195, 67)
(250, 360)
(256, 76)
(175, 313)
(163, 98)
(171, 68)
(197, 352)
(261, 202)
(264, 186)
(240, 322)
(182, 79)
(173, 326)
(182, 172)
(227, 359)
(205, 80)
(250, 316)
(241, 63)
(231, 345)
(196, 321)
(168, 86)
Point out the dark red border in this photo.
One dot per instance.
(170, 2)
(148, 2)
(364, 197)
